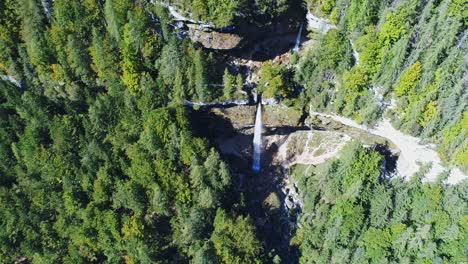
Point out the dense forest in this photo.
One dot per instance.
(224, 13)
(100, 163)
(98, 160)
(352, 216)
(410, 53)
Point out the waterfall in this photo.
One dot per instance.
(257, 142)
(298, 40)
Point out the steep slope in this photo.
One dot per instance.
(411, 56)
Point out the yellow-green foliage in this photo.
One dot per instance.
(234, 239)
(31, 31)
(356, 79)
(429, 112)
(200, 9)
(218, 12)
(274, 82)
(130, 62)
(457, 133)
(458, 8)
(335, 16)
(132, 227)
(393, 27)
(370, 49)
(327, 6)
(409, 80)
(9, 33)
(461, 155)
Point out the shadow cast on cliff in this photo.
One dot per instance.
(267, 36)
(283, 130)
(275, 223)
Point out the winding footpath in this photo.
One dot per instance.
(413, 154)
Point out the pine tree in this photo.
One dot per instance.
(239, 82)
(228, 82)
(201, 85)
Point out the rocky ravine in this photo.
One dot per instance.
(412, 154)
(234, 37)
(273, 197)
(287, 141)
(320, 138)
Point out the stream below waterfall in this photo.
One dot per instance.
(272, 198)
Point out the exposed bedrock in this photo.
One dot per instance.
(245, 32)
(215, 40)
(287, 138)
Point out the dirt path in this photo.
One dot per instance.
(413, 154)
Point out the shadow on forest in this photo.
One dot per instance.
(264, 192)
(390, 158)
(274, 225)
(269, 47)
(270, 37)
(207, 124)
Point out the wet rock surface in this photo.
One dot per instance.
(272, 196)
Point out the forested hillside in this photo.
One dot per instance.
(101, 160)
(410, 54)
(350, 216)
(103, 45)
(98, 161)
(231, 12)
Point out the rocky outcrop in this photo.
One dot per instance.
(48, 8)
(204, 32)
(319, 24)
(214, 39)
(305, 147)
(285, 142)
(11, 79)
(243, 34)
(273, 116)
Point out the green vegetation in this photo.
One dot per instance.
(222, 13)
(352, 216)
(411, 51)
(275, 81)
(99, 164)
(234, 240)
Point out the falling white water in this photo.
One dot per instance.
(257, 142)
(298, 40)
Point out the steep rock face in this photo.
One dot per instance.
(245, 31)
(305, 147)
(286, 148)
(285, 142)
(273, 116)
(215, 40)
(318, 24)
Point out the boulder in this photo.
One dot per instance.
(214, 39)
